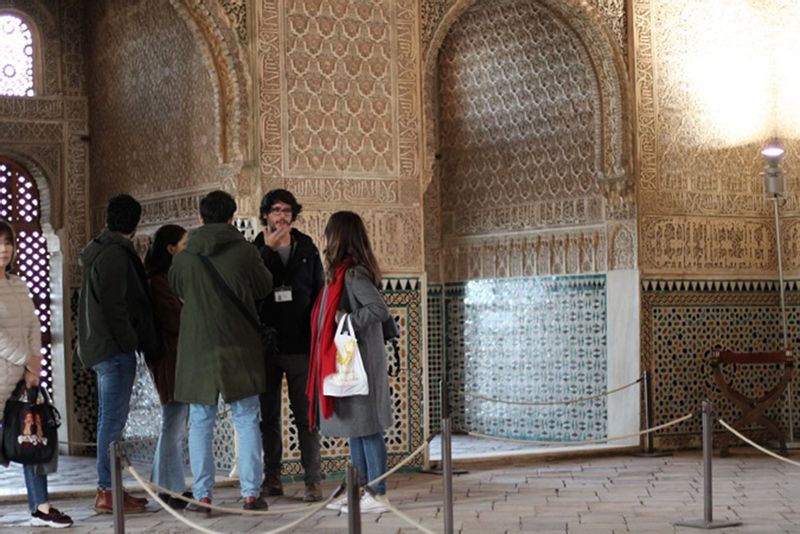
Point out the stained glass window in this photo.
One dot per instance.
(19, 206)
(16, 57)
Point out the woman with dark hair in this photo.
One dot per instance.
(168, 462)
(20, 359)
(353, 279)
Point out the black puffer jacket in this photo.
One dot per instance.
(303, 273)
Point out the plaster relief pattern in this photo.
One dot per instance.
(340, 87)
(393, 234)
(613, 12)
(339, 113)
(572, 252)
(153, 128)
(686, 245)
(685, 169)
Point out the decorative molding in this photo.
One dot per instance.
(32, 109)
(683, 245)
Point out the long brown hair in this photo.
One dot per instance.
(346, 236)
(8, 231)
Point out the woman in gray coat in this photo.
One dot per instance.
(353, 281)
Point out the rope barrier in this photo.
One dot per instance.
(404, 462)
(311, 510)
(587, 441)
(235, 511)
(552, 403)
(406, 518)
(756, 445)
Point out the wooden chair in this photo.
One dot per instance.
(753, 409)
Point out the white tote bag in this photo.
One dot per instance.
(350, 378)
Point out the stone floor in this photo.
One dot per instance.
(571, 496)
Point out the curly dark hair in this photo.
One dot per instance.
(279, 195)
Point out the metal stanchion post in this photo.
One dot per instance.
(353, 501)
(708, 522)
(447, 473)
(117, 495)
(445, 414)
(647, 396)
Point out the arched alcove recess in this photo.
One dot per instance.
(607, 61)
(529, 173)
(228, 64)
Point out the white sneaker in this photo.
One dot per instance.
(370, 504)
(337, 504)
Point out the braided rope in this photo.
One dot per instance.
(551, 403)
(756, 445)
(583, 442)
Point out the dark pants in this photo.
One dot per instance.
(295, 366)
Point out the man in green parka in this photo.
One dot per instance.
(219, 348)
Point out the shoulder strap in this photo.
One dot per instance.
(229, 292)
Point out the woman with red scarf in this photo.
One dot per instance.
(353, 280)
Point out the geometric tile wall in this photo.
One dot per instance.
(403, 295)
(523, 339)
(683, 322)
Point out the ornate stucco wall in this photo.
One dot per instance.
(340, 118)
(706, 232)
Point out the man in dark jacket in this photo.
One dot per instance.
(219, 346)
(297, 273)
(114, 321)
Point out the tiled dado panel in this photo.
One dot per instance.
(525, 339)
(404, 297)
(683, 322)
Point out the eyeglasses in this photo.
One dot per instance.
(285, 211)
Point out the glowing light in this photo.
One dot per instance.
(772, 152)
(735, 64)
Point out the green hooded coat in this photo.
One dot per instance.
(219, 350)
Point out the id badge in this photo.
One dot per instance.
(283, 294)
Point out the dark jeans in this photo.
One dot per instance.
(115, 376)
(295, 366)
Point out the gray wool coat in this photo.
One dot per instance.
(363, 415)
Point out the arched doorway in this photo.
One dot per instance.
(20, 206)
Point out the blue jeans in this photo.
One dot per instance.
(36, 486)
(246, 416)
(168, 460)
(368, 454)
(115, 377)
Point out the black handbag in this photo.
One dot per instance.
(30, 426)
(269, 336)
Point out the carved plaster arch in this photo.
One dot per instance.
(607, 61)
(230, 75)
(49, 209)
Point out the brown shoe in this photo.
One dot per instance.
(130, 499)
(313, 492)
(255, 503)
(103, 504)
(272, 486)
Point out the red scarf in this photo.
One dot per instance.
(323, 349)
